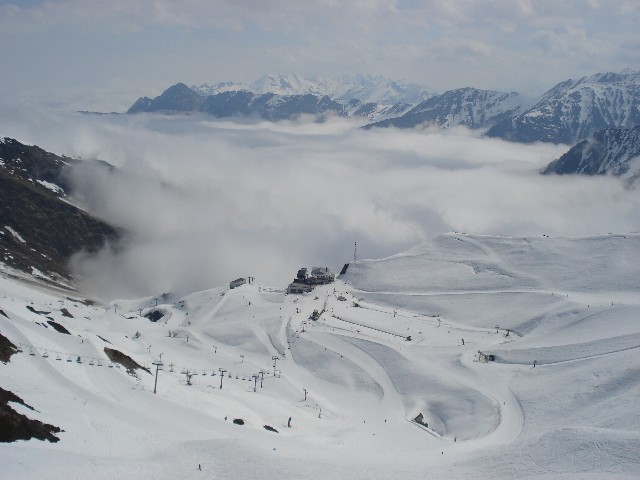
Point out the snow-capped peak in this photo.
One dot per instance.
(365, 88)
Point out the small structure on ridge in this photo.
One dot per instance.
(304, 283)
(240, 281)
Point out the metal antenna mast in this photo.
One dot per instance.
(355, 250)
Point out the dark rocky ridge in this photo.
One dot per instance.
(126, 361)
(38, 227)
(6, 347)
(16, 426)
(607, 152)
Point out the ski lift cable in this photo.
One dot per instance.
(92, 360)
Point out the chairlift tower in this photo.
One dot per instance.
(158, 364)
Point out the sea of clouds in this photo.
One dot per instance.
(204, 200)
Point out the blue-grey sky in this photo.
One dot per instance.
(103, 54)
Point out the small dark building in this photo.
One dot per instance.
(237, 283)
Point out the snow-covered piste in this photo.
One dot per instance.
(520, 358)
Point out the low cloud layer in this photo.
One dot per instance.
(206, 201)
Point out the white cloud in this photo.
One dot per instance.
(208, 200)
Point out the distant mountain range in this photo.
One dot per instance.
(570, 112)
(39, 228)
(180, 98)
(364, 88)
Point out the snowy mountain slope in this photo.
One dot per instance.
(269, 106)
(574, 109)
(485, 263)
(607, 152)
(469, 107)
(573, 303)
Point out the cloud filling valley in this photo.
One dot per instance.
(204, 201)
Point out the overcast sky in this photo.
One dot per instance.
(103, 54)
